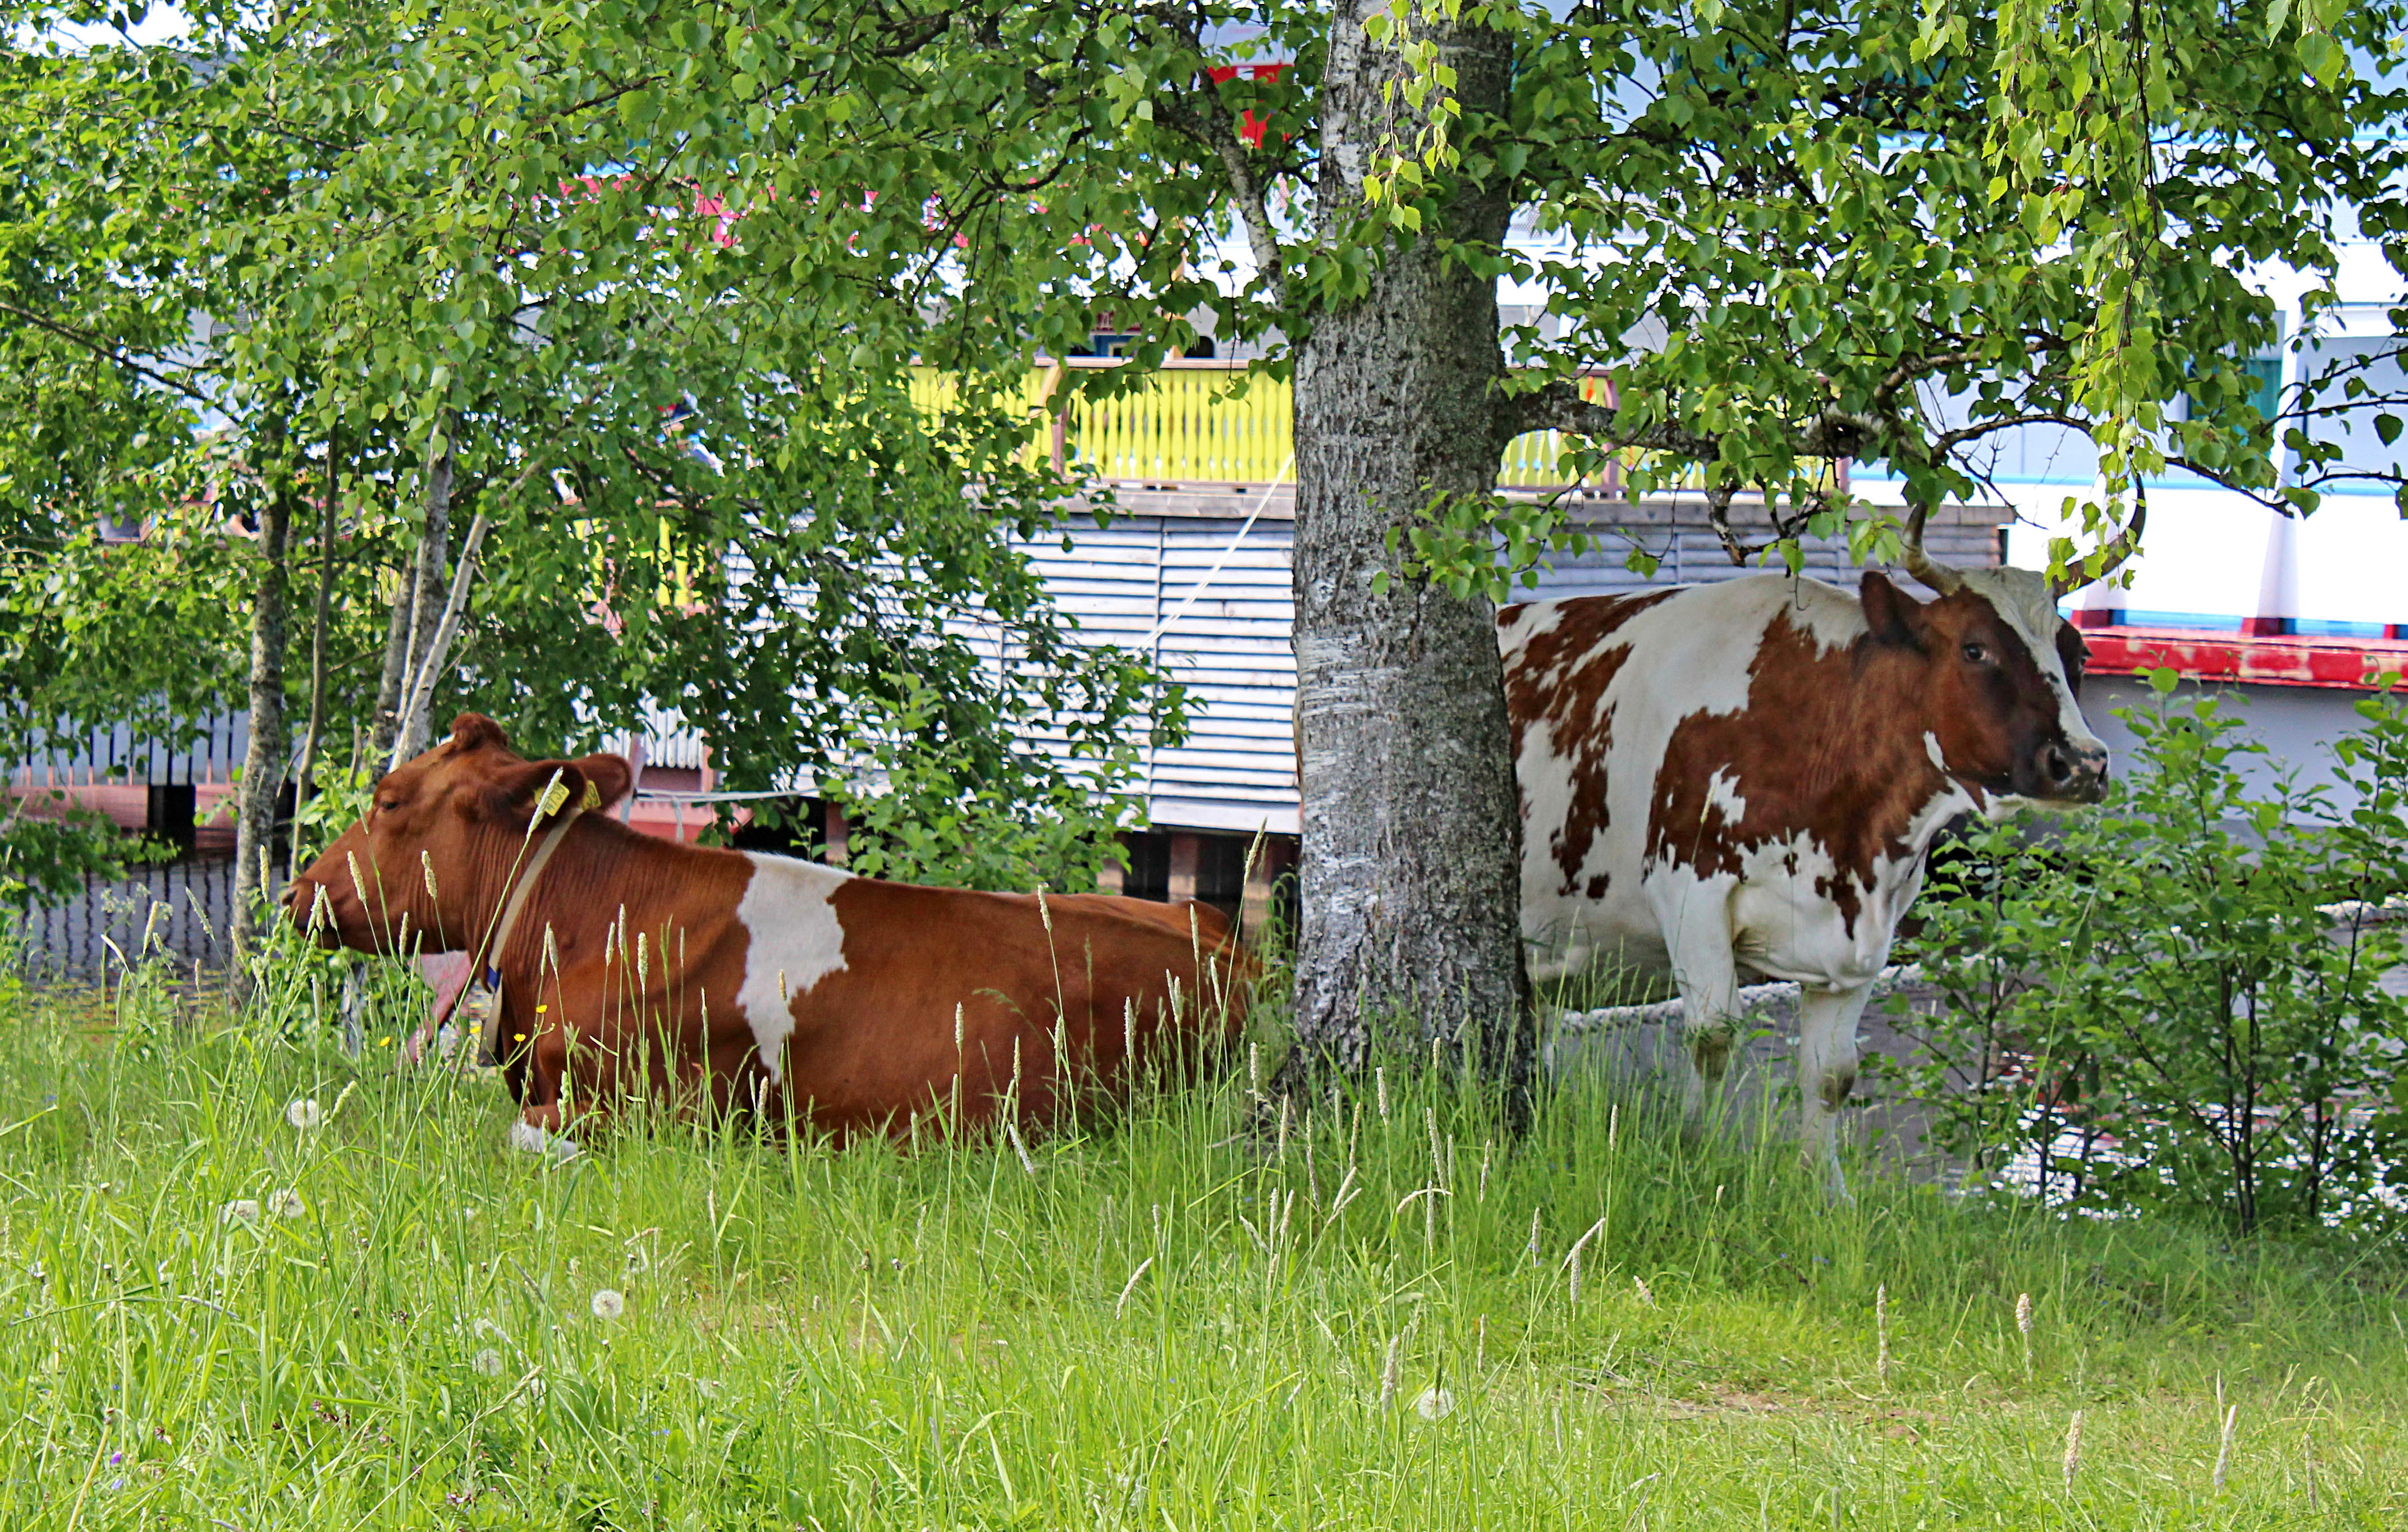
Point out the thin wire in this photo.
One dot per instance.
(1209, 574)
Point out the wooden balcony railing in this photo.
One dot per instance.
(1205, 423)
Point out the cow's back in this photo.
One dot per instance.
(1596, 688)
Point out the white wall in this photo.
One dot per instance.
(2297, 723)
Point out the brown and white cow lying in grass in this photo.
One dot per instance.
(735, 981)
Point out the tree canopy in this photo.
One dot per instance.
(641, 288)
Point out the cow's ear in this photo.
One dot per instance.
(473, 731)
(608, 778)
(2072, 651)
(540, 789)
(1895, 617)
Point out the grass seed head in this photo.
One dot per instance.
(1881, 1331)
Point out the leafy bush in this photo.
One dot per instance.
(50, 855)
(2176, 1000)
(934, 803)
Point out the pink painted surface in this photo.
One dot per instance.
(2272, 660)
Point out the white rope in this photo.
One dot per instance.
(1215, 573)
(1754, 998)
(1757, 996)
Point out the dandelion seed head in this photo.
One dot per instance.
(488, 1362)
(284, 1202)
(608, 1303)
(1434, 1404)
(240, 1210)
(304, 1114)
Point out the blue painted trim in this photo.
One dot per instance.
(2324, 628)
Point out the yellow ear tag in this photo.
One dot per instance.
(592, 798)
(555, 794)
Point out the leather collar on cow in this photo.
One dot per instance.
(479, 1001)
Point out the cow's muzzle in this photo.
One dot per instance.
(2074, 774)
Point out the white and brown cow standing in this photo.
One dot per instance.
(1739, 779)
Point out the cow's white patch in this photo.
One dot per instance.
(794, 940)
(1931, 748)
(527, 1139)
(1722, 792)
(2026, 603)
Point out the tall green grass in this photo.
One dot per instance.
(214, 1318)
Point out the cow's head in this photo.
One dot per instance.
(444, 834)
(1998, 675)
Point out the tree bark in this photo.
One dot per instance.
(1411, 875)
(417, 608)
(329, 522)
(263, 765)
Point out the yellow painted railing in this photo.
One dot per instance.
(1192, 424)
(1189, 423)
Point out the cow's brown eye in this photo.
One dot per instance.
(1977, 654)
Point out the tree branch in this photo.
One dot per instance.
(106, 351)
(1212, 128)
(1559, 406)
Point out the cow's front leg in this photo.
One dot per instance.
(1698, 937)
(1827, 1072)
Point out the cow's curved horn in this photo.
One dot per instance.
(1921, 564)
(2126, 543)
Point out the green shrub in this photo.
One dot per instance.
(2176, 1000)
(48, 856)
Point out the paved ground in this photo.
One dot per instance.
(1761, 1087)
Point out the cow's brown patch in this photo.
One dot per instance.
(1831, 742)
(1559, 680)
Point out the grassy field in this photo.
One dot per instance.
(215, 1318)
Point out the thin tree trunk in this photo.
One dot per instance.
(408, 638)
(328, 525)
(1410, 876)
(263, 767)
(416, 727)
(417, 722)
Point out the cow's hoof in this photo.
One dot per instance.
(527, 1139)
(1835, 1183)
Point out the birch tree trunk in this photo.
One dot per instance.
(417, 608)
(263, 765)
(1411, 877)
